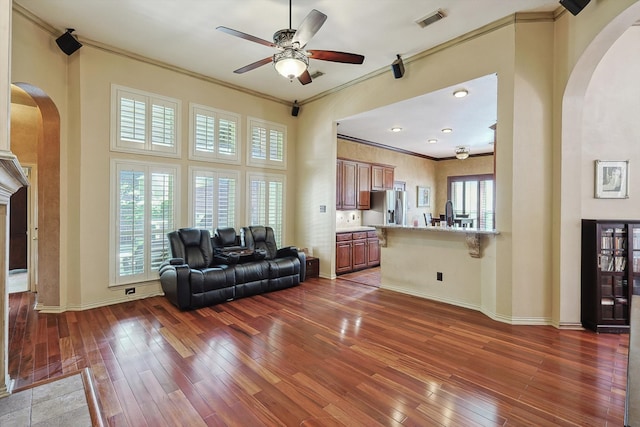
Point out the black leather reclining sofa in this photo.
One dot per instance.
(204, 271)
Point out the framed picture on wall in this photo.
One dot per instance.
(612, 179)
(424, 197)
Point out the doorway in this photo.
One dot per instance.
(22, 238)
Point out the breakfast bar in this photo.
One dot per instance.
(472, 236)
(450, 264)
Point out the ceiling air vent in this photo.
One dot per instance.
(317, 74)
(430, 18)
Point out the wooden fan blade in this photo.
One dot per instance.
(333, 56)
(245, 36)
(254, 65)
(309, 27)
(305, 78)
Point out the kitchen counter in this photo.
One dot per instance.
(355, 228)
(472, 235)
(439, 229)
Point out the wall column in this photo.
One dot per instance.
(11, 179)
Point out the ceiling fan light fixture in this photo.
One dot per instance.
(290, 63)
(462, 153)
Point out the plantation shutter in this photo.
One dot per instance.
(259, 143)
(226, 202)
(162, 219)
(131, 223)
(132, 120)
(205, 133)
(258, 202)
(163, 125)
(276, 145)
(227, 137)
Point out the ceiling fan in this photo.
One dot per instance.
(292, 60)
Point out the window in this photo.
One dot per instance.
(473, 196)
(144, 122)
(213, 134)
(213, 198)
(267, 144)
(266, 202)
(145, 210)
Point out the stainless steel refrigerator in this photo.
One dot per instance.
(387, 208)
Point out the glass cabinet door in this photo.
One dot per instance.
(635, 258)
(614, 286)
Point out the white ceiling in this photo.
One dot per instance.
(183, 33)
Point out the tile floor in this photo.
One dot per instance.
(17, 281)
(58, 403)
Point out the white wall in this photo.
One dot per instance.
(611, 126)
(80, 85)
(493, 52)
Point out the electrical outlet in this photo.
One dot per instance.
(129, 291)
(439, 276)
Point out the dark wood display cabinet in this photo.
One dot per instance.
(610, 273)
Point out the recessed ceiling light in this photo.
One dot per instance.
(432, 141)
(461, 93)
(396, 129)
(447, 130)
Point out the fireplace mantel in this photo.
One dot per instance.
(11, 176)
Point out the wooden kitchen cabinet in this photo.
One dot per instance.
(356, 251)
(343, 253)
(339, 184)
(363, 199)
(349, 184)
(373, 249)
(353, 185)
(359, 251)
(382, 177)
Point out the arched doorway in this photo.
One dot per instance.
(572, 173)
(46, 159)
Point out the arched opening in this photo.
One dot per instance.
(46, 158)
(574, 176)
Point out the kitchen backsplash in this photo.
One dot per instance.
(345, 219)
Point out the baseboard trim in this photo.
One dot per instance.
(81, 307)
(524, 321)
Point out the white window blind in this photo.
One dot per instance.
(132, 119)
(144, 122)
(267, 144)
(145, 211)
(213, 198)
(213, 134)
(266, 202)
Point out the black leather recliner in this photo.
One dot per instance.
(198, 276)
(287, 266)
(188, 279)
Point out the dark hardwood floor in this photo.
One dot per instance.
(326, 353)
